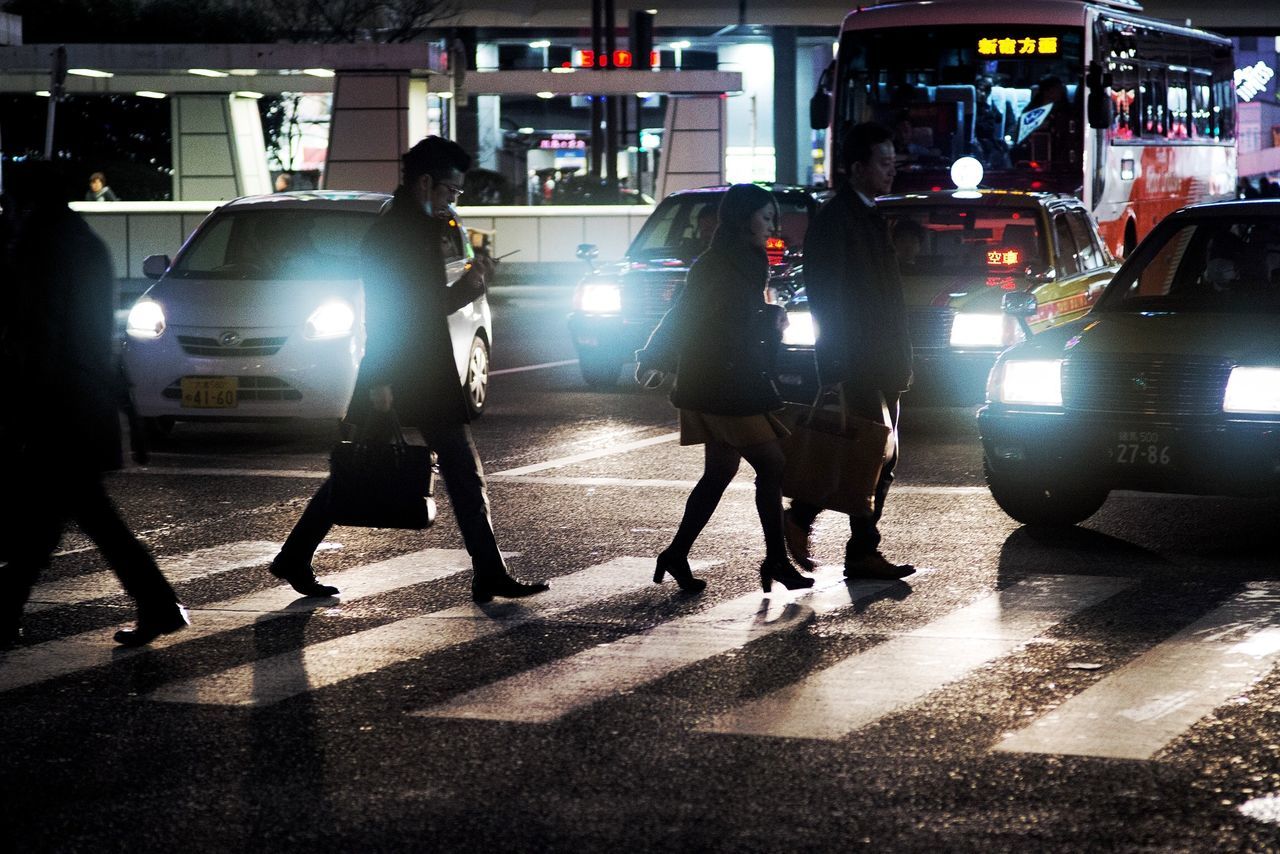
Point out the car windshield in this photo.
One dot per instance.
(277, 244)
(682, 225)
(1217, 264)
(949, 240)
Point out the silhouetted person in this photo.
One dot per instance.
(725, 339)
(98, 189)
(855, 294)
(408, 363)
(284, 182)
(909, 238)
(64, 393)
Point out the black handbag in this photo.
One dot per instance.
(382, 484)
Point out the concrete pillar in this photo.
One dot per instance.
(368, 131)
(693, 143)
(749, 150)
(786, 142)
(488, 114)
(218, 148)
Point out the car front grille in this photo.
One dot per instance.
(648, 294)
(930, 329)
(261, 389)
(195, 345)
(1145, 385)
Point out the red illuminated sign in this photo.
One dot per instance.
(1004, 257)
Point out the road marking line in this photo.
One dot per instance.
(1138, 710)
(559, 364)
(589, 455)
(320, 665)
(201, 563)
(29, 665)
(865, 687)
(553, 690)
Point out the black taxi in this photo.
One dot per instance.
(959, 252)
(1170, 384)
(616, 306)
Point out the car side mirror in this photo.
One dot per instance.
(155, 266)
(1020, 305)
(589, 252)
(1098, 106)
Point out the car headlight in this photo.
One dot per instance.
(1252, 390)
(1035, 382)
(800, 331)
(979, 330)
(331, 320)
(599, 298)
(146, 319)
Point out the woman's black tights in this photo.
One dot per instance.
(721, 464)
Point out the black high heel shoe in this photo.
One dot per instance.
(781, 571)
(678, 568)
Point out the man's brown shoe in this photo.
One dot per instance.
(875, 565)
(797, 537)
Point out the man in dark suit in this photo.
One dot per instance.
(408, 363)
(62, 427)
(855, 294)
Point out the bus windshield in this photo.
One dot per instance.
(1010, 95)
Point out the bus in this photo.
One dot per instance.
(1133, 115)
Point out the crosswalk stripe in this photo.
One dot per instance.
(191, 566)
(29, 665)
(548, 692)
(861, 689)
(1145, 705)
(327, 663)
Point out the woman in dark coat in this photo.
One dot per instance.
(725, 337)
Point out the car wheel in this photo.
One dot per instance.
(477, 375)
(598, 371)
(1043, 501)
(157, 428)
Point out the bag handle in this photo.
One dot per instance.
(823, 392)
(393, 421)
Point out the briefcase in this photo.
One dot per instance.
(382, 484)
(834, 458)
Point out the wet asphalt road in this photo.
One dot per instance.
(1109, 688)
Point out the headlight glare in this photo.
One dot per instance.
(1033, 382)
(1253, 390)
(978, 330)
(146, 320)
(334, 319)
(600, 298)
(800, 331)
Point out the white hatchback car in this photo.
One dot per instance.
(261, 315)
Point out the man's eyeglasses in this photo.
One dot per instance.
(452, 188)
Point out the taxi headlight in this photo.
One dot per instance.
(600, 298)
(146, 320)
(1035, 382)
(332, 320)
(800, 331)
(978, 330)
(1253, 390)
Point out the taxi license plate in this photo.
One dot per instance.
(1141, 448)
(209, 392)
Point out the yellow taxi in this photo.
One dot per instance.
(959, 253)
(1170, 384)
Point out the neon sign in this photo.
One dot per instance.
(560, 141)
(1025, 46)
(1252, 80)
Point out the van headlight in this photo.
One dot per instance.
(599, 298)
(146, 320)
(1033, 382)
(1253, 390)
(800, 331)
(978, 330)
(332, 320)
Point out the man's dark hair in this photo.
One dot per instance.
(860, 139)
(434, 156)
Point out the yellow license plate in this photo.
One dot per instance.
(209, 392)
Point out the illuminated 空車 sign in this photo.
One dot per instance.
(1024, 46)
(1252, 80)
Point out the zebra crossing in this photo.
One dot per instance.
(1133, 711)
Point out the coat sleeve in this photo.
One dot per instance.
(825, 262)
(380, 277)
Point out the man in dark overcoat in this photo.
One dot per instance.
(62, 431)
(855, 294)
(409, 365)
